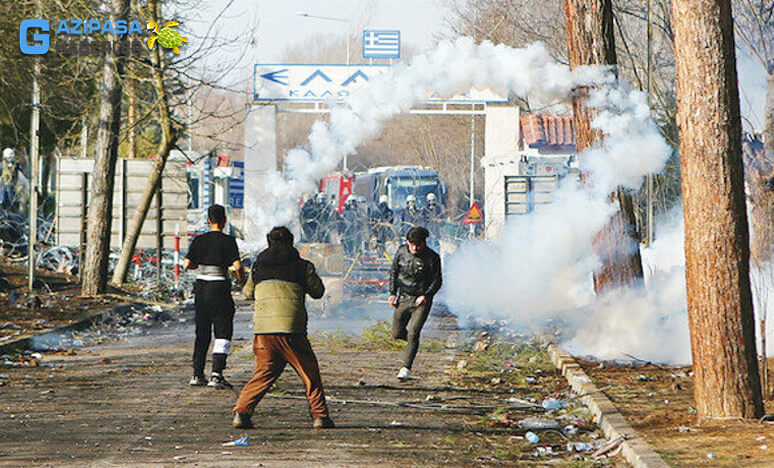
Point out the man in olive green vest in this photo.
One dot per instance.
(279, 281)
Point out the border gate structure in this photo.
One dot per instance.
(305, 88)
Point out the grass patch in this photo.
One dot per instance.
(334, 340)
(511, 452)
(379, 337)
(525, 356)
(502, 363)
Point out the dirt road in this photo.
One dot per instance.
(127, 403)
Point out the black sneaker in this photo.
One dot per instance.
(218, 381)
(242, 421)
(198, 381)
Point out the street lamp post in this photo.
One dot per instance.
(338, 20)
(329, 18)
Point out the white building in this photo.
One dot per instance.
(215, 179)
(524, 156)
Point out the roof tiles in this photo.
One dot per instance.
(547, 131)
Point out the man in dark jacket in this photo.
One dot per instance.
(279, 281)
(414, 280)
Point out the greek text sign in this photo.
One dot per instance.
(311, 82)
(319, 83)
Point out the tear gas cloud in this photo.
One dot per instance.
(452, 68)
(652, 323)
(648, 323)
(540, 267)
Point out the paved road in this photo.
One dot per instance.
(127, 403)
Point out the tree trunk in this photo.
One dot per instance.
(763, 209)
(131, 151)
(169, 135)
(102, 180)
(768, 125)
(591, 41)
(726, 379)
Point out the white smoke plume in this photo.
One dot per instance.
(452, 68)
(652, 323)
(646, 323)
(540, 267)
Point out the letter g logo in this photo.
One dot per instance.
(34, 49)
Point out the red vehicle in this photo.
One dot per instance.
(337, 187)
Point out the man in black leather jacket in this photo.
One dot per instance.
(414, 280)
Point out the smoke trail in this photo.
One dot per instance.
(540, 267)
(454, 67)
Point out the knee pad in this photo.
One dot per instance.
(221, 346)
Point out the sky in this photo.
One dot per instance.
(419, 21)
(279, 25)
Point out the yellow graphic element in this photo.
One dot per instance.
(473, 216)
(168, 38)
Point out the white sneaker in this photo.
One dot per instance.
(404, 373)
(198, 381)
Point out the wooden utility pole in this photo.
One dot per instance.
(103, 176)
(34, 157)
(591, 41)
(720, 311)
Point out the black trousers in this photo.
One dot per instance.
(407, 323)
(214, 309)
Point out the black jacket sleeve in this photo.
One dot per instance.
(394, 274)
(314, 284)
(435, 282)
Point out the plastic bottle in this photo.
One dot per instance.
(553, 404)
(577, 447)
(570, 429)
(538, 423)
(532, 437)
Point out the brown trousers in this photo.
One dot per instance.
(272, 352)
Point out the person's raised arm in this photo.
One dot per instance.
(314, 285)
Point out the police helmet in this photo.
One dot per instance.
(9, 153)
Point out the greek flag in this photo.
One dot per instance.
(381, 44)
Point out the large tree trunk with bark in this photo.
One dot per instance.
(169, 135)
(591, 41)
(102, 181)
(768, 126)
(762, 187)
(726, 379)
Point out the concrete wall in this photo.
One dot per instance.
(131, 177)
(501, 146)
